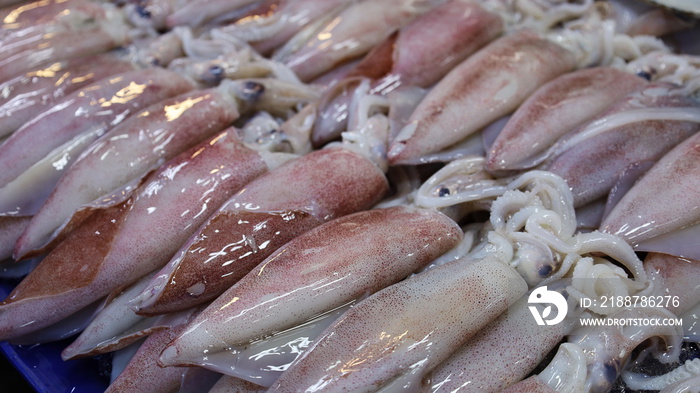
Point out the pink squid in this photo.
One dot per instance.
(22, 97)
(399, 333)
(319, 186)
(87, 29)
(179, 196)
(323, 269)
(661, 212)
(407, 58)
(642, 127)
(93, 109)
(125, 154)
(483, 88)
(553, 110)
(348, 35)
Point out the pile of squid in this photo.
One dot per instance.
(352, 195)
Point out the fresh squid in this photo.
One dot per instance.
(486, 86)
(665, 226)
(555, 109)
(144, 140)
(370, 250)
(179, 196)
(407, 58)
(593, 158)
(197, 12)
(259, 219)
(76, 34)
(277, 25)
(93, 109)
(22, 97)
(143, 373)
(350, 34)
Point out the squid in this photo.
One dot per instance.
(75, 34)
(179, 195)
(664, 227)
(275, 26)
(116, 326)
(350, 34)
(407, 58)
(366, 348)
(556, 108)
(197, 12)
(486, 86)
(593, 158)
(24, 96)
(250, 226)
(235, 385)
(369, 250)
(144, 140)
(142, 373)
(90, 110)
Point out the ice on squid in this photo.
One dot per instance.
(555, 109)
(331, 265)
(660, 213)
(135, 237)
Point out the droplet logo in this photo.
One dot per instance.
(551, 298)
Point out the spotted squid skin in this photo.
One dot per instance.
(143, 374)
(461, 27)
(663, 195)
(167, 209)
(485, 87)
(368, 251)
(593, 166)
(675, 276)
(319, 186)
(486, 363)
(421, 319)
(100, 105)
(23, 97)
(556, 108)
(228, 384)
(127, 152)
(530, 385)
(11, 227)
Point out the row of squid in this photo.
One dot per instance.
(352, 195)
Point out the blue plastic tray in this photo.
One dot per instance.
(42, 366)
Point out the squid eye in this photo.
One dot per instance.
(143, 12)
(216, 70)
(252, 91)
(644, 74)
(443, 191)
(545, 270)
